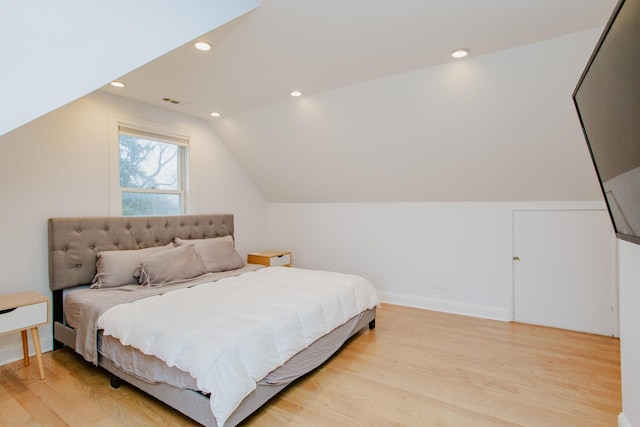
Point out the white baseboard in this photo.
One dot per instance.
(13, 352)
(622, 420)
(453, 307)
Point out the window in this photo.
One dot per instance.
(151, 171)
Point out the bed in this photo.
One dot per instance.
(286, 321)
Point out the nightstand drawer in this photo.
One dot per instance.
(270, 258)
(284, 259)
(23, 317)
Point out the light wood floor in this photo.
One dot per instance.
(417, 368)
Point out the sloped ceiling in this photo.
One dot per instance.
(55, 52)
(314, 46)
(386, 114)
(499, 127)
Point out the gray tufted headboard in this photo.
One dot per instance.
(75, 242)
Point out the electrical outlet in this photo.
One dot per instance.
(438, 284)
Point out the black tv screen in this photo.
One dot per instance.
(607, 99)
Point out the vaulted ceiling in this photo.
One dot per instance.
(318, 45)
(386, 114)
(55, 52)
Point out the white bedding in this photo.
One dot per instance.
(231, 333)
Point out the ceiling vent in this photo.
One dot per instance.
(175, 101)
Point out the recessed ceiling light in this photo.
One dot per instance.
(296, 93)
(460, 53)
(116, 83)
(202, 45)
(214, 114)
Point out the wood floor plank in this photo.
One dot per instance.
(13, 414)
(417, 368)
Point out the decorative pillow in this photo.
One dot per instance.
(217, 253)
(117, 268)
(171, 266)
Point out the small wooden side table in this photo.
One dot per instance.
(22, 311)
(270, 258)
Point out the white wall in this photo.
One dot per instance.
(629, 255)
(403, 248)
(55, 52)
(57, 165)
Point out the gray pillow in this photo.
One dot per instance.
(117, 268)
(217, 253)
(171, 266)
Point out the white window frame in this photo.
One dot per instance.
(158, 131)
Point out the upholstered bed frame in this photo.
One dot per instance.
(73, 247)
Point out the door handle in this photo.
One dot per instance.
(516, 258)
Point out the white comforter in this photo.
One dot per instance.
(230, 334)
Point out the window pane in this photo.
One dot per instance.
(148, 164)
(150, 204)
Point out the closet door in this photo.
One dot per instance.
(564, 270)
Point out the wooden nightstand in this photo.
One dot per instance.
(22, 311)
(270, 258)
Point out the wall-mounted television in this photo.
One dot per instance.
(607, 99)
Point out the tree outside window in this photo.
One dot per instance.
(151, 174)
